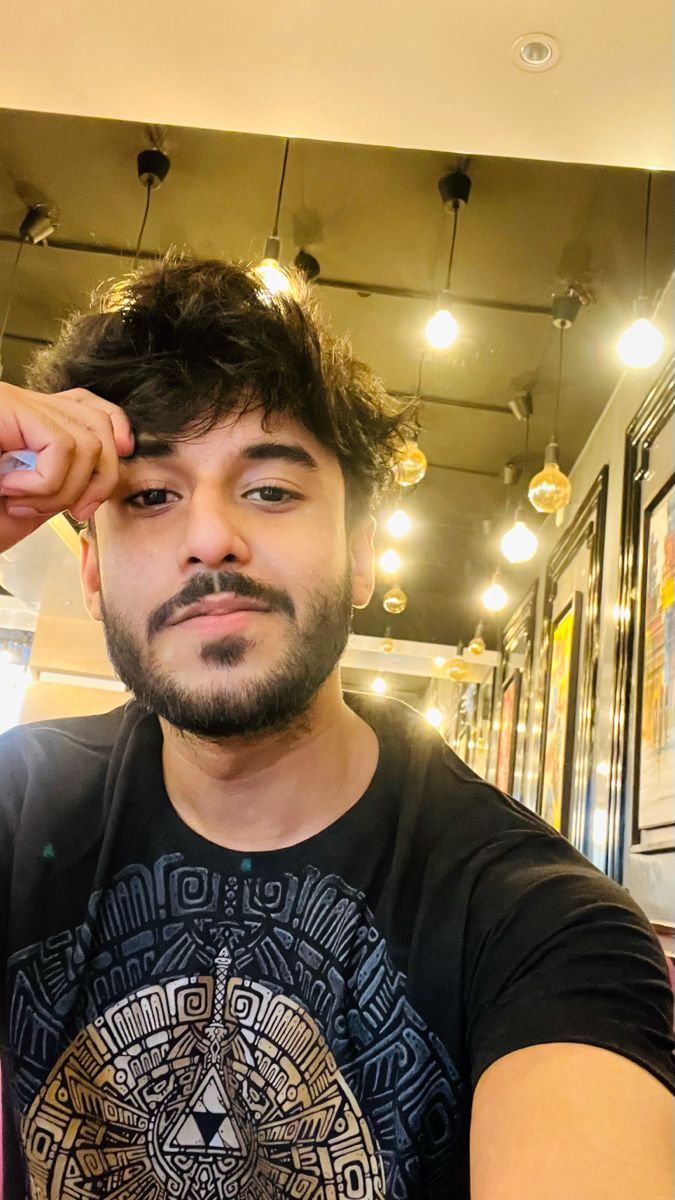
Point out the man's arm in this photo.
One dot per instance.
(568, 1121)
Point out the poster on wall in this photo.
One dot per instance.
(655, 745)
(561, 714)
(506, 751)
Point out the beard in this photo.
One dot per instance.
(226, 707)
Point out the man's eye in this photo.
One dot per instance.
(149, 494)
(270, 494)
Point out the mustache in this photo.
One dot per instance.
(200, 586)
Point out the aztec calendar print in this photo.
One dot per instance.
(216, 1035)
(200, 1088)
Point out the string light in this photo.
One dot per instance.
(641, 345)
(387, 646)
(439, 661)
(390, 562)
(457, 669)
(379, 685)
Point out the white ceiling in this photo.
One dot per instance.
(431, 75)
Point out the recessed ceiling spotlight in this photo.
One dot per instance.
(535, 52)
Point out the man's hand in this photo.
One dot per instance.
(79, 439)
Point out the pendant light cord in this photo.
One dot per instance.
(275, 227)
(11, 291)
(643, 286)
(452, 245)
(148, 190)
(554, 437)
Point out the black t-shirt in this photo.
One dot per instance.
(185, 1020)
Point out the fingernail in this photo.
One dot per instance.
(19, 510)
(87, 512)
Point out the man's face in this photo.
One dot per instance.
(247, 519)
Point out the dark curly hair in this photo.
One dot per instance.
(182, 344)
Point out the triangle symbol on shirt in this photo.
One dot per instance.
(206, 1123)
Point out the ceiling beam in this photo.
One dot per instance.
(348, 285)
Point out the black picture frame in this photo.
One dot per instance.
(587, 529)
(666, 840)
(575, 606)
(515, 681)
(650, 419)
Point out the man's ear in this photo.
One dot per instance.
(362, 560)
(89, 574)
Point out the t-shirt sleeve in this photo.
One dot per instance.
(557, 952)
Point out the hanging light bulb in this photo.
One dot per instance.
(494, 597)
(550, 490)
(457, 669)
(390, 562)
(411, 465)
(399, 523)
(387, 646)
(434, 716)
(275, 280)
(269, 271)
(641, 345)
(441, 329)
(379, 685)
(519, 544)
(477, 643)
(395, 600)
(439, 661)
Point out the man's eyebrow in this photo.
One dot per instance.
(150, 448)
(290, 451)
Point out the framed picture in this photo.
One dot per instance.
(506, 750)
(560, 719)
(575, 570)
(639, 519)
(517, 648)
(654, 761)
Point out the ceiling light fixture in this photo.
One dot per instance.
(390, 562)
(494, 598)
(37, 225)
(519, 544)
(441, 329)
(457, 669)
(477, 644)
(535, 52)
(641, 344)
(395, 600)
(435, 716)
(550, 490)
(270, 272)
(410, 466)
(398, 524)
(153, 167)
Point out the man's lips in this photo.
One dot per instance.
(221, 605)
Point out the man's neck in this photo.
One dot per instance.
(277, 789)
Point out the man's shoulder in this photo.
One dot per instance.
(67, 737)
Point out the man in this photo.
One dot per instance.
(263, 939)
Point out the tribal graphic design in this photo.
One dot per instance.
(227, 1036)
(194, 1090)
